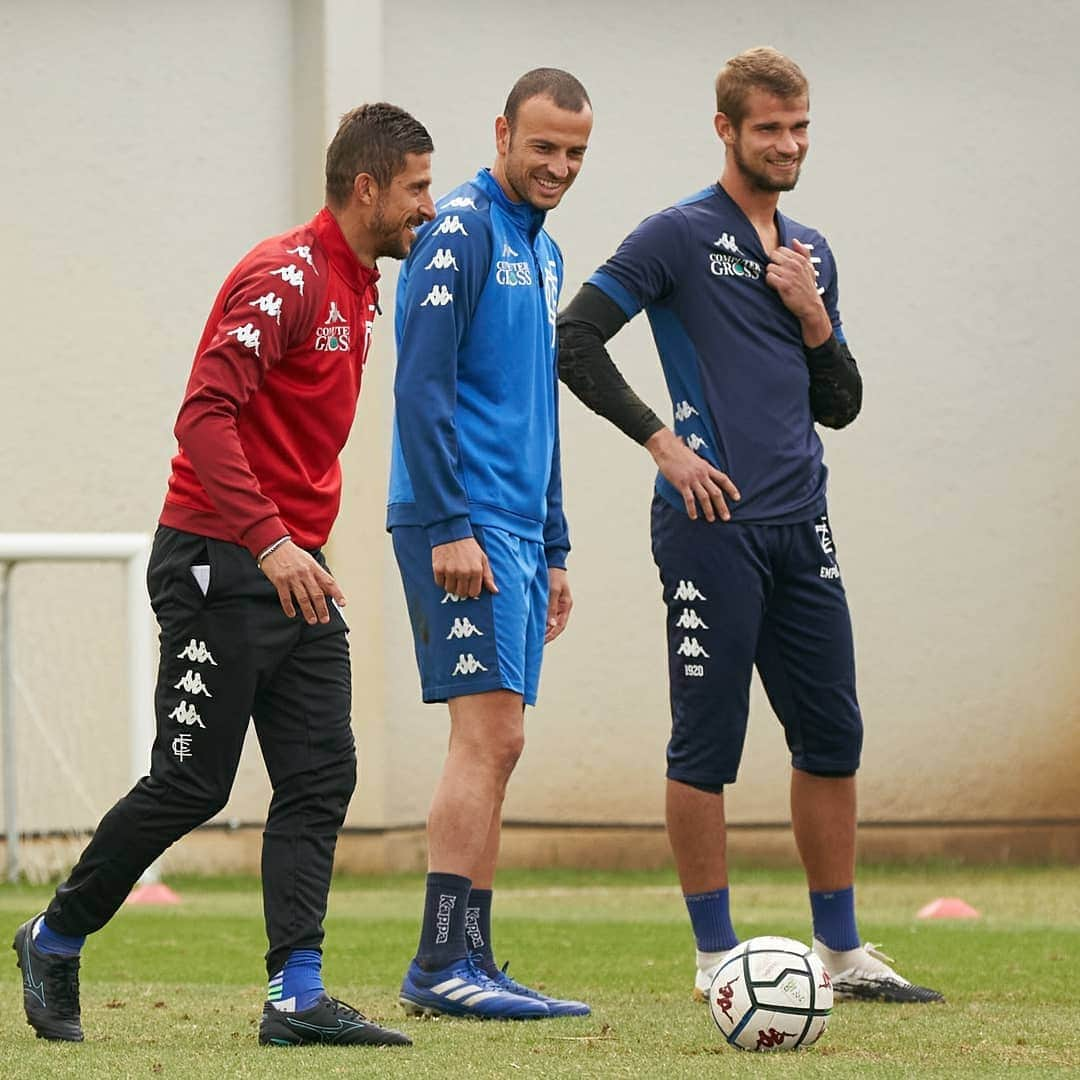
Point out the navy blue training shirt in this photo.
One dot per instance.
(732, 353)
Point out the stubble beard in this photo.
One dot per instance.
(762, 181)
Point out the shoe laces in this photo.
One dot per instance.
(877, 954)
(349, 1011)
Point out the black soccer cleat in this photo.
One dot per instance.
(50, 988)
(863, 974)
(329, 1021)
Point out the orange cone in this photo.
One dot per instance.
(947, 907)
(154, 892)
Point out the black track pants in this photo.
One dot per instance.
(228, 652)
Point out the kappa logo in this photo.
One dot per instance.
(691, 620)
(691, 647)
(695, 441)
(684, 410)
(197, 653)
(303, 252)
(687, 590)
(439, 296)
(332, 336)
(192, 682)
(766, 1040)
(724, 998)
(464, 628)
(181, 746)
(291, 275)
(187, 714)
(462, 202)
(467, 665)
(450, 225)
(723, 265)
(270, 304)
(727, 242)
(443, 259)
(513, 273)
(509, 253)
(247, 336)
(442, 918)
(450, 598)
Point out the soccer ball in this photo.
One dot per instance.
(771, 993)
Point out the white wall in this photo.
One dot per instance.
(148, 146)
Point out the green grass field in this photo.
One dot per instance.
(176, 992)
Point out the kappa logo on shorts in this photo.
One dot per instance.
(691, 620)
(695, 441)
(197, 653)
(187, 714)
(467, 665)
(684, 410)
(450, 598)
(193, 683)
(687, 590)
(463, 628)
(691, 647)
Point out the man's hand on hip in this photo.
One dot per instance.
(462, 568)
(294, 573)
(695, 479)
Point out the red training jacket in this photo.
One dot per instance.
(272, 393)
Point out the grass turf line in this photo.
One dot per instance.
(177, 992)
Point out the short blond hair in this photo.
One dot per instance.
(763, 68)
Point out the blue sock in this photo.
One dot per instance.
(54, 944)
(834, 919)
(711, 920)
(442, 934)
(298, 985)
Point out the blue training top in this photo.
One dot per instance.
(732, 353)
(476, 405)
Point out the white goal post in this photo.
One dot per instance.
(132, 549)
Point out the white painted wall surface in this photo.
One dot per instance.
(148, 146)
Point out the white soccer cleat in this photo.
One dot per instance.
(863, 974)
(708, 964)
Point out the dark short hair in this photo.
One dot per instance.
(372, 139)
(566, 91)
(763, 68)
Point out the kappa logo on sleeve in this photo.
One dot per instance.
(449, 225)
(291, 275)
(439, 296)
(303, 252)
(461, 201)
(269, 304)
(248, 336)
(443, 259)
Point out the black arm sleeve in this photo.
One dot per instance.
(587, 322)
(835, 384)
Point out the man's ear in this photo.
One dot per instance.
(365, 189)
(502, 134)
(724, 128)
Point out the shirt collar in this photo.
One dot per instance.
(333, 242)
(522, 213)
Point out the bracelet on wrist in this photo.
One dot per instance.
(271, 549)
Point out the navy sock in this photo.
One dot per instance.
(442, 936)
(834, 918)
(298, 985)
(478, 930)
(54, 944)
(711, 919)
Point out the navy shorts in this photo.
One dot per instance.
(744, 595)
(467, 646)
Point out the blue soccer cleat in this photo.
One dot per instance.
(462, 989)
(555, 1006)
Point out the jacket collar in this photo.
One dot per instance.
(333, 242)
(523, 214)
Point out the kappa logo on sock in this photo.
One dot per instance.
(472, 927)
(442, 918)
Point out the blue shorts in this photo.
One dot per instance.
(495, 642)
(744, 595)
